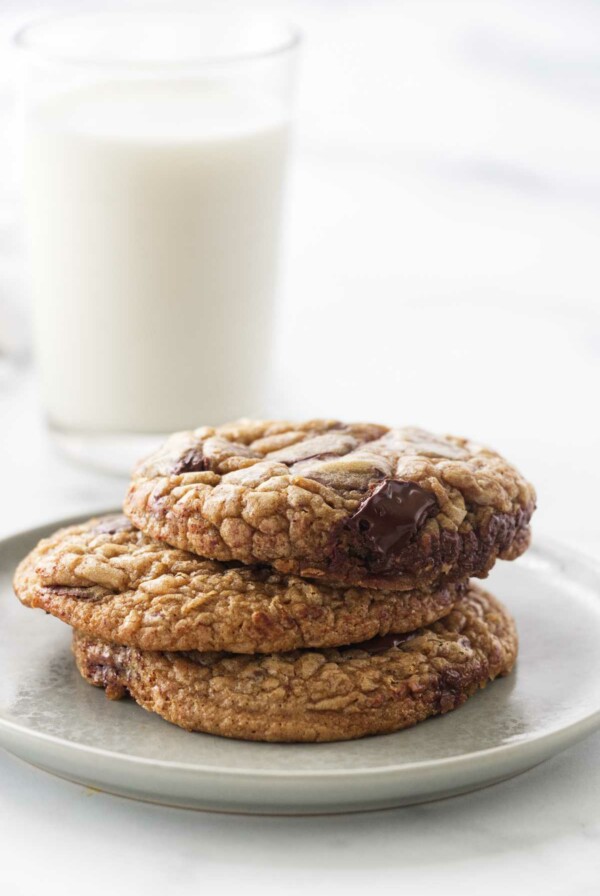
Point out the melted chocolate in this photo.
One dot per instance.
(384, 642)
(392, 515)
(193, 461)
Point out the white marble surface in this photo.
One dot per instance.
(537, 833)
(446, 204)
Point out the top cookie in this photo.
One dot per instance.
(355, 503)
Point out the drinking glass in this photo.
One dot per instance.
(155, 155)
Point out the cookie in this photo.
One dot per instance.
(375, 687)
(355, 503)
(109, 580)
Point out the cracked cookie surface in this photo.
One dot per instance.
(376, 687)
(356, 503)
(107, 579)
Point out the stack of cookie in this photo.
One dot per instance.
(293, 582)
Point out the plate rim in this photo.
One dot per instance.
(569, 733)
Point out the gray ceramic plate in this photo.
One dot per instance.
(51, 718)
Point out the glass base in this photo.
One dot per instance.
(8, 367)
(115, 453)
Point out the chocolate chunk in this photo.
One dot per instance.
(392, 515)
(193, 461)
(112, 525)
(106, 675)
(384, 642)
(89, 592)
(451, 693)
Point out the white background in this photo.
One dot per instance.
(442, 269)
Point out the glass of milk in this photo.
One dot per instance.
(155, 158)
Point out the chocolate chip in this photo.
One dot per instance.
(193, 461)
(390, 517)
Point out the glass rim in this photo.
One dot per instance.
(25, 41)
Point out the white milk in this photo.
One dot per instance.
(154, 220)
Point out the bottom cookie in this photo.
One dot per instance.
(376, 687)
